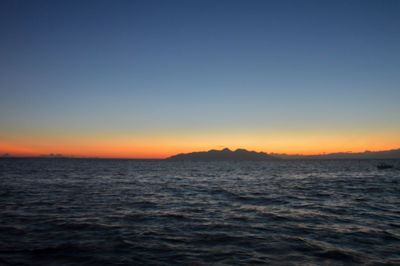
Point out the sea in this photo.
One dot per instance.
(56, 211)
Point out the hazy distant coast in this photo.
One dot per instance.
(244, 155)
(388, 154)
(240, 155)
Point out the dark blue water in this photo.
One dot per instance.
(91, 212)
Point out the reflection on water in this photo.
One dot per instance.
(157, 212)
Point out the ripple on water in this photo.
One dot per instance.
(157, 212)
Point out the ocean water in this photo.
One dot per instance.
(131, 212)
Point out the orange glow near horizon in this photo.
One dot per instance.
(154, 146)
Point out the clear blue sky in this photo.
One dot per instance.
(168, 66)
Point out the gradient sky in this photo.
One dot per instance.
(148, 79)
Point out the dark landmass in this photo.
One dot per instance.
(389, 154)
(244, 155)
(223, 155)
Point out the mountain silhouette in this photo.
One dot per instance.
(223, 155)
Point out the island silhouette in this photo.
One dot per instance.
(245, 155)
(223, 155)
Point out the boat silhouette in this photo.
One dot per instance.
(383, 166)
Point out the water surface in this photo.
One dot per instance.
(83, 211)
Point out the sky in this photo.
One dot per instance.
(149, 79)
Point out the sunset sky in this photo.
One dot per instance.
(149, 79)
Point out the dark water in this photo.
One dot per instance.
(69, 211)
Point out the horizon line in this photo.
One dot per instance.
(61, 156)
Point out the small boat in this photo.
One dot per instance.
(384, 166)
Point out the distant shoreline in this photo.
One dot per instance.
(139, 159)
(262, 156)
(243, 155)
